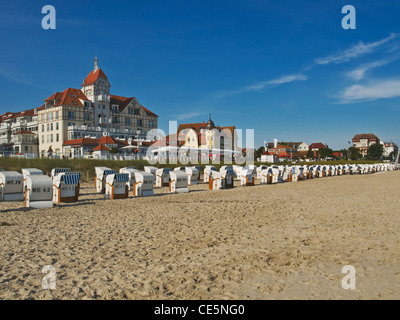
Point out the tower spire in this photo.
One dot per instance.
(96, 61)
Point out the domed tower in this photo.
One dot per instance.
(210, 124)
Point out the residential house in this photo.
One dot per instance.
(364, 141)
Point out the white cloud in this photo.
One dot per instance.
(16, 77)
(275, 82)
(183, 116)
(359, 73)
(378, 90)
(265, 84)
(355, 51)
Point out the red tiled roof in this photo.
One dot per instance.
(317, 145)
(195, 126)
(230, 128)
(54, 96)
(198, 126)
(121, 142)
(107, 140)
(266, 153)
(369, 136)
(284, 154)
(70, 96)
(149, 113)
(93, 76)
(101, 147)
(338, 154)
(123, 102)
(24, 132)
(283, 146)
(13, 115)
(82, 141)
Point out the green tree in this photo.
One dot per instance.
(353, 153)
(310, 154)
(259, 152)
(343, 152)
(375, 151)
(325, 153)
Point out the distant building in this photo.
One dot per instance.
(388, 148)
(267, 157)
(316, 146)
(282, 152)
(207, 136)
(299, 146)
(338, 155)
(19, 132)
(364, 141)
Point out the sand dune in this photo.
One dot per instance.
(286, 241)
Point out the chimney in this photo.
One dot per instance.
(96, 67)
(275, 143)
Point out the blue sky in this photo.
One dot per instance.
(284, 68)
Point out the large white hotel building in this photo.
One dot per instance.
(89, 112)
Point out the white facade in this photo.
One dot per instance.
(19, 132)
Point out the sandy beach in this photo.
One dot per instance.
(285, 241)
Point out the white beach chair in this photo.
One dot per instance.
(101, 175)
(236, 170)
(227, 178)
(214, 181)
(286, 173)
(271, 175)
(162, 177)
(144, 184)
(39, 192)
(180, 169)
(298, 173)
(207, 170)
(30, 171)
(117, 186)
(259, 170)
(193, 175)
(11, 186)
(246, 177)
(56, 171)
(178, 182)
(152, 170)
(131, 173)
(66, 187)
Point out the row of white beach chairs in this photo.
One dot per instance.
(39, 190)
(116, 185)
(276, 174)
